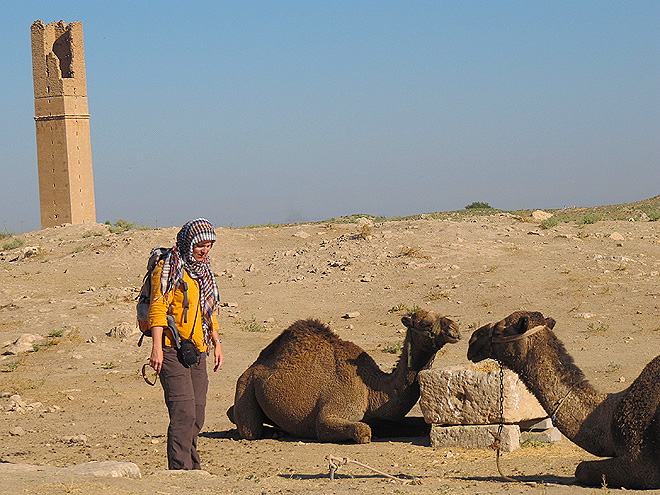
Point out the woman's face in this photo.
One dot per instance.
(201, 250)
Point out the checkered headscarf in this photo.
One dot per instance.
(181, 258)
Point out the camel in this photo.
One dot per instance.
(312, 384)
(624, 426)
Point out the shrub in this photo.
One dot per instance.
(393, 348)
(399, 307)
(654, 215)
(4, 234)
(588, 219)
(251, 325)
(478, 205)
(13, 244)
(56, 333)
(549, 223)
(120, 226)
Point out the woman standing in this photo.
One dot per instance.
(184, 286)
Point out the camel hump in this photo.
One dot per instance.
(302, 334)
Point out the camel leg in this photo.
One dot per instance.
(619, 472)
(247, 413)
(330, 428)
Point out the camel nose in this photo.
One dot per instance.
(450, 331)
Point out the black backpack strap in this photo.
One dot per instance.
(171, 324)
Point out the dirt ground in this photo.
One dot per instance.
(83, 398)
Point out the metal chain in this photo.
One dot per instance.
(498, 438)
(501, 427)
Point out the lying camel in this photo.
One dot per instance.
(312, 384)
(624, 426)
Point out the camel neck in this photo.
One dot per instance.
(580, 411)
(394, 394)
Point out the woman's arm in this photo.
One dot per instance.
(217, 351)
(156, 358)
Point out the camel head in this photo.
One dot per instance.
(429, 329)
(512, 336)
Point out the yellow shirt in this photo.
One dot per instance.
(159, 308)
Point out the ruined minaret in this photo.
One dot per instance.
(64, 152)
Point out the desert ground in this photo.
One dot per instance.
(78, 395)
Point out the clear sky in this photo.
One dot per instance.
(250, 112)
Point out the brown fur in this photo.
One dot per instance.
(624, 426)
(313, 384)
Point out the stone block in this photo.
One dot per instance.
(535, 425)
(550, 435)
(470, 397)
(474, 436)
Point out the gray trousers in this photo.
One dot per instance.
(185, 396)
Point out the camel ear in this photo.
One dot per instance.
(523, 324)
(550, 323)
(407, 321)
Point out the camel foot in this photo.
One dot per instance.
(339, 430)
(618, 473)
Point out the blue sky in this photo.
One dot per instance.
(257, 112)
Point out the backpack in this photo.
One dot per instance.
(144, 299)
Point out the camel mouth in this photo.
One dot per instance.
(451, 338)
(479, 346)
(476, 355)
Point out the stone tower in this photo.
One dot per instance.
(64, 152)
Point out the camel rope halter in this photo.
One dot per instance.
(430, 334)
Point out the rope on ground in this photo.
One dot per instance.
(336, 462)
(497, 439)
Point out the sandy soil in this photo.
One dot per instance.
(85, 400)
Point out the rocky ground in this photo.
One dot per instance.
(73, 393)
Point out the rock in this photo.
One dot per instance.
(474, 436)
(106, 469)
(24, 343)
(81, 439)
(302, 234)
(17, 431)
(586, 316)
(470, 397)
(615, 236)
(29, 251)
(540, 215)
(123, 330)
(8, 467)
(353, 314)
